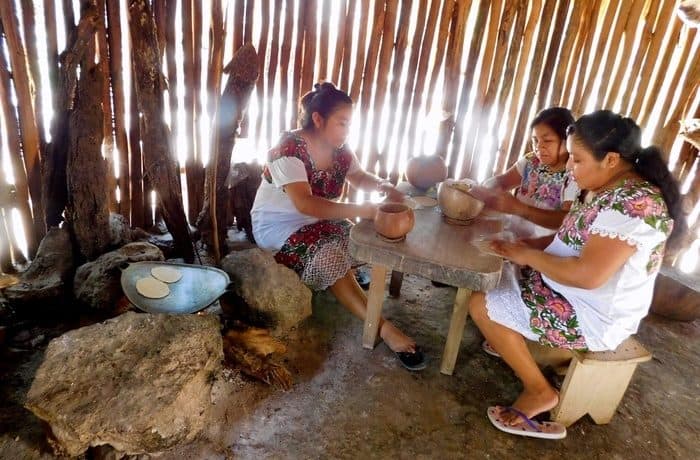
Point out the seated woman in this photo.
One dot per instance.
(592, 284)
(544, 190)
(296, 213)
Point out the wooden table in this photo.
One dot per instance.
(437, 251)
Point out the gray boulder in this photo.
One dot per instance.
(97, 283)
(48, 277)
(139, 382)
(272, 294)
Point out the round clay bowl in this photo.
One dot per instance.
(394, 220)
(455, 203)
(425, 171)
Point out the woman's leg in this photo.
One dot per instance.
(538, 395)
(352, 297)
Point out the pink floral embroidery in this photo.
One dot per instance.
(561, 309)
(643, 206)
(556, 338)
(541, 186)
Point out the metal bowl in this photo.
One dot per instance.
(198, 288)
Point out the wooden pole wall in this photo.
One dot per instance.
(455, 75)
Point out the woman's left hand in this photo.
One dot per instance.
(515, 251)
(391, 192)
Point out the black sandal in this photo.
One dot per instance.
(414, 361)
(363, 278)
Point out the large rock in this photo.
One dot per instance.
(97, 283)
(139, 382)
(48, 277)
(273, 292)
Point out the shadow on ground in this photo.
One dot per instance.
(348, 402)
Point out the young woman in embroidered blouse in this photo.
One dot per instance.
(545, 189)
(588, 286)
(296, 213)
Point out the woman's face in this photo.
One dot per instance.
(589, 172)
(548, 146)
(335, 129)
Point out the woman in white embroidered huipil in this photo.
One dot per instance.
(588, 286)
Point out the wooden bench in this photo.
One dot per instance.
(596, 382)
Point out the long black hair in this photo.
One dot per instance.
(604, 131)
(324, 99)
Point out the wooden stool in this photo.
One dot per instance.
(596, 382)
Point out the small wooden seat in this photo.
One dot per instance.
(596, 382)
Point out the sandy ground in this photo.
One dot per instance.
(348, 402)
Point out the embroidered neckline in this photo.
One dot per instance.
(301, 139)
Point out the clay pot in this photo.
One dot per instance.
(394, 220)
(425, 171)
(457, 204)
(674, 298)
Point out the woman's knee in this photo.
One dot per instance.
(477, 307)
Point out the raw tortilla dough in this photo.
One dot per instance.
(166, 274)
(152, 288)
(485, 247)
(425, 201)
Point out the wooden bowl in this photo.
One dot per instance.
(455, 201)
(394, 221)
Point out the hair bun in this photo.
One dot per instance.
(317, 86)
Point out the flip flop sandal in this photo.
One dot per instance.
(488, 349)
(412, 361)
(363, 278)
(529, 428)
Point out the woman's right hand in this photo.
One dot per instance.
(367, 210)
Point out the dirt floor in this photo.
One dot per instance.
(348, 402)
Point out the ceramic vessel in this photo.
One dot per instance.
(394, 221)
(425, 171)
(455, 202)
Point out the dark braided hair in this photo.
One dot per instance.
(324, 99)
(604, 131)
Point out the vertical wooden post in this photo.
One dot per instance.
(272, 112)
(108, 135)
(11, 130)
(114, 38)
(27, 122)
(159, 166)
(284, 62)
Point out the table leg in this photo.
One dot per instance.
(395, 283)
(375, 299)
(454, 336)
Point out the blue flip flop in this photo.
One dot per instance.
(529, 427)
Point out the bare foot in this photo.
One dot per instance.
(395, 339)
(531, 403)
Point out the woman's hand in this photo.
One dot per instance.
(367, 210)
(391, 192)
(515, 251)
(497, 200)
